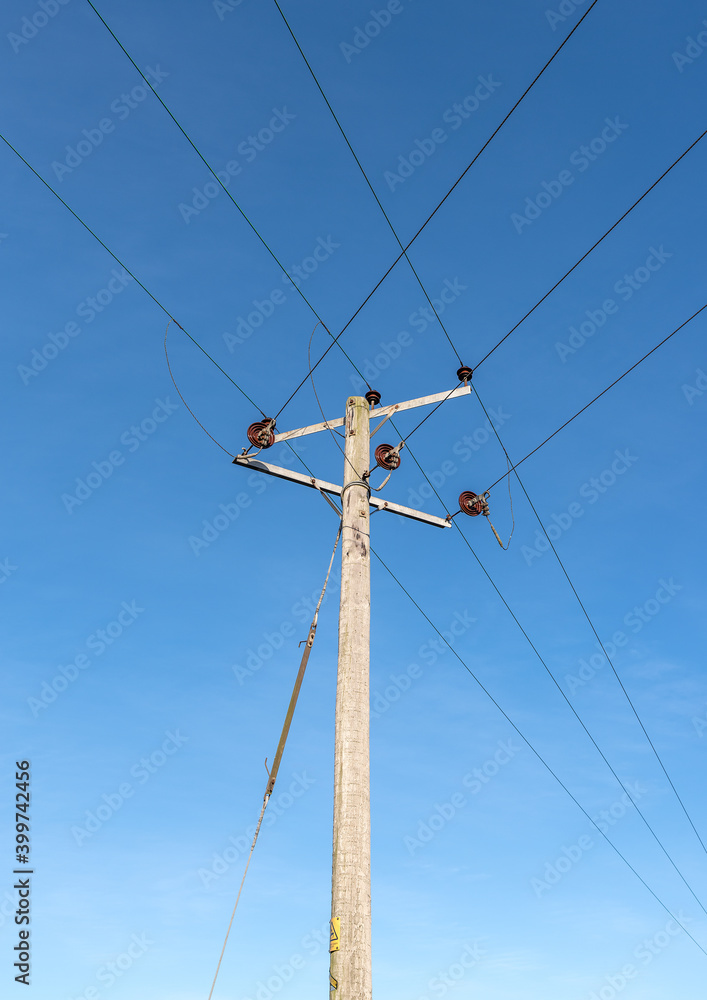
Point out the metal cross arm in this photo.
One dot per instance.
(334, 490)
(381, 411)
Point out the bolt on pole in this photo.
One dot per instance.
(350, 968)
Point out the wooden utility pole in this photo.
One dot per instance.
(350, 948)
(350, 969)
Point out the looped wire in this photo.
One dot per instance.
(485, 511)
(356, 482)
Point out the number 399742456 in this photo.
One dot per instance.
(22, 818)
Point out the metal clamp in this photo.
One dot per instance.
(356, 482)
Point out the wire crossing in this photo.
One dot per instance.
(335, 340)
(404, 249)
(503, 122)
(216, 178)
(537, 304)
(366, 178)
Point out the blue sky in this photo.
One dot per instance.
(154, 594)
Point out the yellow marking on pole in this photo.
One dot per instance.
(334, 934)
(333, 983)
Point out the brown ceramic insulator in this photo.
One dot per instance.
(261, 434)
(471, 503)
(387, 457)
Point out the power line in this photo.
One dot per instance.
(365, 177)
(335, 340)
(154, 299)
(522, 736)
(581, 604)
(593, 247)
(196, 149)
(537, 304)
(596, 634)
(532, 748)
(542, 661)
(586, 407)
(511, 468)
(179, 393)
(503, 122)
(530, 311)
(610, 662)
(127, 269)
(218, 180)
(536, 753)
(559, 688)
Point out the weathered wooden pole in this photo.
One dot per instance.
(350, 968)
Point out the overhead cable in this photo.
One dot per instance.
(179, 393)
(215, 176)
(592, 401)
(127, 269)
(365, 176)
(539, 756)
(530, 311)
(404, 249)
(593, 247)
(564, 696)
(601, 644)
